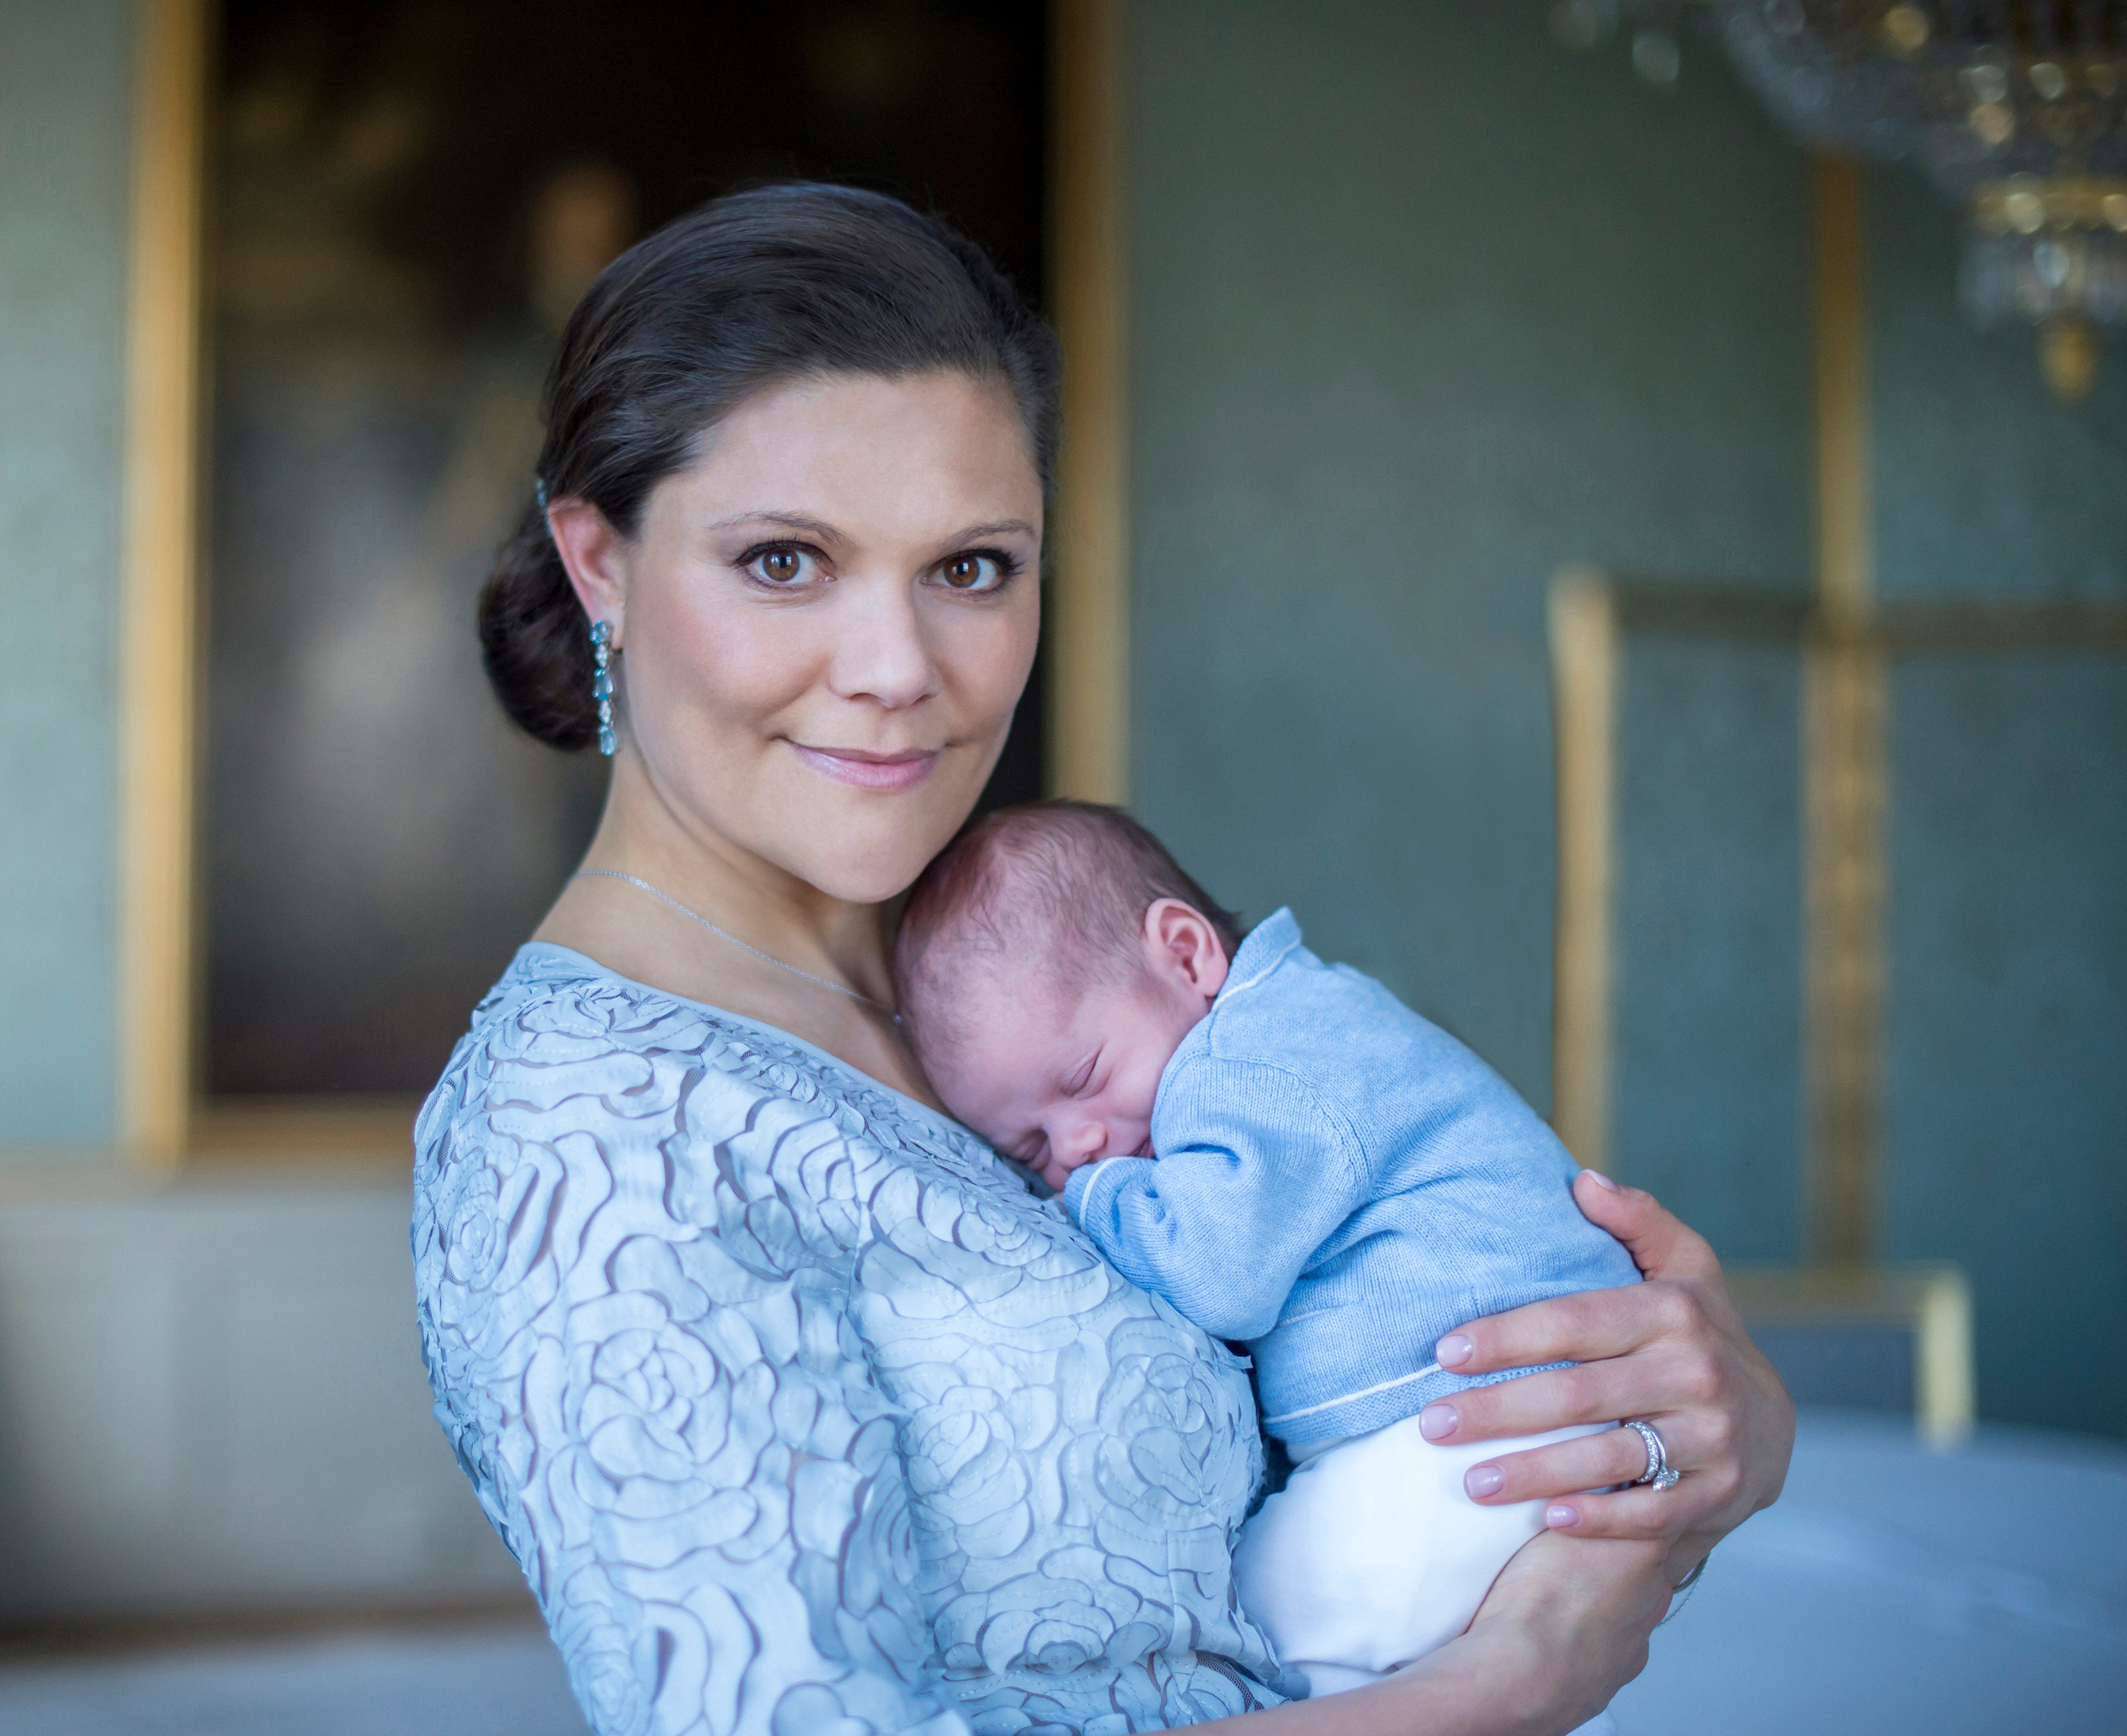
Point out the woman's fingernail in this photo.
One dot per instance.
(1560, 1517)
(1454, 1351)
(1437, 1422)
(1483, 1480)
(1602, 1181)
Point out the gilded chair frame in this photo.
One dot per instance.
(1593, 617)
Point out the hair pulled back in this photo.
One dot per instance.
(784, 283)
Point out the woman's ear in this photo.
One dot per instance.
(596, 558)
(1185, 947)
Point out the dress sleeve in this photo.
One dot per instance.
(1222, 1225)
(648, 1370)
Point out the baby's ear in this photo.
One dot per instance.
(1186, 946)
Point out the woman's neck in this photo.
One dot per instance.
(789, 954)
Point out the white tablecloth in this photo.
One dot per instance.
(1895, 1590)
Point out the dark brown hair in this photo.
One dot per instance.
(1066, 882)
(784, 283)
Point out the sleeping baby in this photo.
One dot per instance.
(1291, 1158)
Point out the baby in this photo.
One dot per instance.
(1330, 1179)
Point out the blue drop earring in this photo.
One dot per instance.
(602, 650)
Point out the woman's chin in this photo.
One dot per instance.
(857, 845)
(886, 840)
(880, 858)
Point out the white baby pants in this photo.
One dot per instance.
(1372, 1554)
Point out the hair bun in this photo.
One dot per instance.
(535, 640)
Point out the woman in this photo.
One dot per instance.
(802, 1414)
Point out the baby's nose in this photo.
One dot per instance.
(1082, 1142)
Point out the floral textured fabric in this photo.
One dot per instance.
(802, 1414)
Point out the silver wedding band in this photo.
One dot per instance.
(1658, 1474)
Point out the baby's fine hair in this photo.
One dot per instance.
(1067, 882)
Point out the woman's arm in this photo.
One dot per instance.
(1564, 1626)
(1672, 1351)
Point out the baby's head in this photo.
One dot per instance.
(1048, 964)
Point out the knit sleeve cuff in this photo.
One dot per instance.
(1086, 1177)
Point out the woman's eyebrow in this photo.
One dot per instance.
(819, 527)
(827, 533)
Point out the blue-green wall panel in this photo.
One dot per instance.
(1425, 307)
(1708, 976)
(1985, 484)
(2006, 1028)
(2007, 1016)
(65, 129)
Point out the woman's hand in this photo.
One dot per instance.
(1566, 1624)
(1564, 1627)
(1671, 1351)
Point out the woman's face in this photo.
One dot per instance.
(826, 621)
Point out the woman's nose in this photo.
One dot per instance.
(880, 654)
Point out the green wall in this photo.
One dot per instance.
(1707, 1107)
(2006, 1005)
(65, 129)
(1985, 485)
(1426, 308)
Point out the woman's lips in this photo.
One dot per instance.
(853, 766)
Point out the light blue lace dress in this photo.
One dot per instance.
(802, 1416)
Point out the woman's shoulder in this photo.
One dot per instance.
(589, 1131)
(561, 1046)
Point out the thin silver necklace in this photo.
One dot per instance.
(667, 898)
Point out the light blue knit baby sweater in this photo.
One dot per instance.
(1339, 1182)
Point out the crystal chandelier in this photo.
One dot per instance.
(2016, 108)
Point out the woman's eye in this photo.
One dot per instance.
(781, 566)
(972, 572)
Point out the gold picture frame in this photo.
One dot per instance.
(165, 1124)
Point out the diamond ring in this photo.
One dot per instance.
(1658, 1472)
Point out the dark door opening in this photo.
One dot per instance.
(407, 198)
